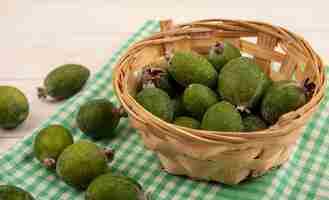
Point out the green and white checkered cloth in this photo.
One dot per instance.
(305, 176)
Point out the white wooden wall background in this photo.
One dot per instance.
(37, 35)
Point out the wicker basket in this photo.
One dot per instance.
(227, 157)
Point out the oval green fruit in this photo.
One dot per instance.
(9, 192)
(198, 98)
(242, 82)
(188, 67)
(222, 116)
(253, 123)
(282, 97)
(64, 81)
(50, 142)
(80, 163)
(188, 122)
(157, 102)
(14, 107)
(98, 118)
(221, 53)
(116, 187)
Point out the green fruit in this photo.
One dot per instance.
(222, 116)
(64, 81)
(282, 97)
(14, 107)
(157, 102)
(188, 122)
(98, 118)
(242, 82)
(50, 142)
(253, 123)
(9, 192)
(221, 53)
(188, 67)
(81, 162)
(198, 98)
(109, 186)
(178, 106)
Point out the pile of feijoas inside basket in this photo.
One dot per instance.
(222, 91)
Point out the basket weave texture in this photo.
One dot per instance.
(227, 157)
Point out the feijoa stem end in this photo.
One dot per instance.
(148, 84)
(151, 75)
(148, 195)
(42, 93)
(142, 195)
(168, 57)
(309, 88)
(121, 112)
(109, 154)
(49, 162)
(218, 48)
(243, 109)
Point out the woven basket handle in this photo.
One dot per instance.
(167, 25)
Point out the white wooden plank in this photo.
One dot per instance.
(35, 63)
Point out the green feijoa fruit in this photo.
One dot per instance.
(178, 106)
(242, 82)
(222, 116)
(188, 122)
(253, 123)
(116, 187)
(99, 118)
(282, 97)
(64, 81)
(10, 192)
(14, 107)
(198, 98)
(188, 67)
(50, 142)
(157, 102)
(221, 53)
(82, 162)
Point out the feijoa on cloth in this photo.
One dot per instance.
(64, 81)
(50, 142)
(98, 118)
(118, 187)
(10, 192)
(81, 162)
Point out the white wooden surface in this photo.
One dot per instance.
(37, 35)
